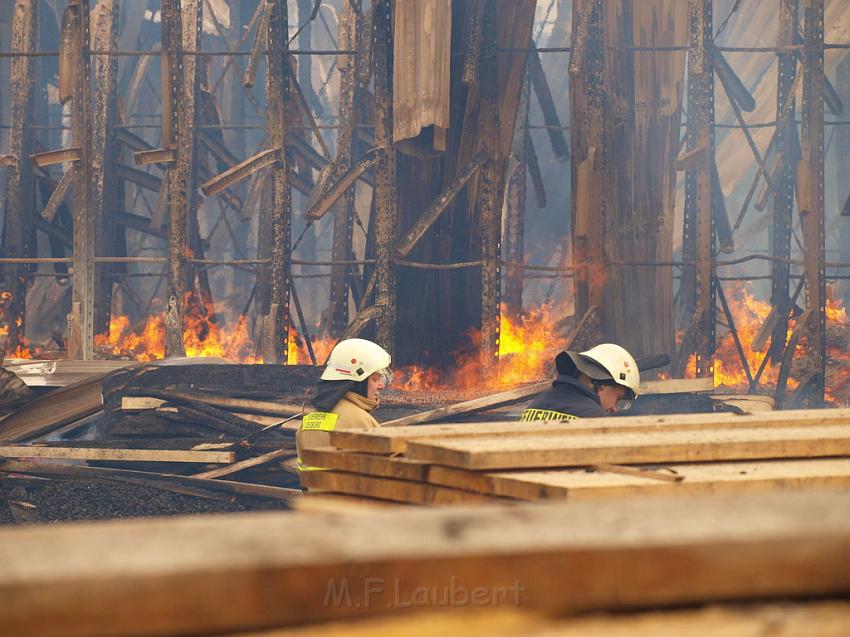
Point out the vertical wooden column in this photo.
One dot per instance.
(784, 179)
(343, 223)
(386, 200)
(810, 195)
(276, 333)
(515, 202)
(19, 196)
(589, 203)
(81, 320)
(173, 137)
(105, 199)
(699, 222)
(842, 166)
(490, 191)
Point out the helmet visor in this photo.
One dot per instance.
(386, 376)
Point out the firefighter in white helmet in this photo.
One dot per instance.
(356, 372)
(590, 384)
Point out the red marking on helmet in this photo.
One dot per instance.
(626, 363)
(353, 361)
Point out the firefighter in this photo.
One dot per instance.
(589, 385)
(356, 372)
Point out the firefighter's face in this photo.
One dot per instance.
(610, 395)
(375, 385)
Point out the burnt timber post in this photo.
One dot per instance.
(699, 220)
(842, 164)
(489, 195)
(173, 119)
(350, 22)
(386, 201)
(19, 195)
(105, 200)
(810, 194)
(276, 330)
(81, 320)
(516, 202)
(785, 179)
(587, 97)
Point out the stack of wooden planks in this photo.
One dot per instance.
(586, 459)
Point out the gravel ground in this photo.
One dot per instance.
(64, 501)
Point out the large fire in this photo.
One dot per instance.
(527, 346)
(202, 336)
(749, 314)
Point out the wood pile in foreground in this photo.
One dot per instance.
(587, 459)
(227, 573)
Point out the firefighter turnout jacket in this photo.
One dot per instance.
(351, 412)
(568, 399)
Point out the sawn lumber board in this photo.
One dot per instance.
(213, 574)
(388, 488)
(118, 455)
(367, 464)
(395, 440)
(712, 445)
(716, 477)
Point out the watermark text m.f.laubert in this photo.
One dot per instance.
(370, 591)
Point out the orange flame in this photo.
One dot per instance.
(527, 346)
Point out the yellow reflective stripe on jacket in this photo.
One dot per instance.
(545, 414)
(306, 467)
(319, 421)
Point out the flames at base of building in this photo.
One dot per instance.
(527, 346)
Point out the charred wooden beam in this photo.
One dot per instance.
(547, 106)
(490, 194)
(240, 171)
(57, 197)
(699, 217)
(81, 321)
(276, 335)
(842, 164)
(810, 193)
(784, 181)
(19, 194)
(350, 25)
(589, 205)
(516, 202)
(105, 155)
(436, 208)
(385, 196)
(735, 88)
(343, 184)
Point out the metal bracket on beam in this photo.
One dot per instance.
(240, 171)
(156, 156)
(51, 157)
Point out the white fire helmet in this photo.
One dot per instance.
(606, 362)
(357, 359)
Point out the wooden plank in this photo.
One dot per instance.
(177, 484)
(368, 464)
(716, 477)
(782, 619)
(676, 386)
(265, 407)
(634, 447)
(248, 464)
(472, 406)
(388, 488)
(395, 440)
(51, 411)
(202, 574)
(118, 455)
